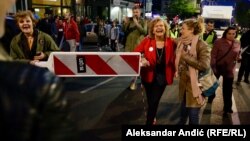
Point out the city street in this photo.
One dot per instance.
(95, 102)
(101, 105)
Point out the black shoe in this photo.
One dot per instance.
(133, 86)
(225, 114)
(246, 81)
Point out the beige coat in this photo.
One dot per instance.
(201, 63)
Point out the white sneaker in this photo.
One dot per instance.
(133, 86)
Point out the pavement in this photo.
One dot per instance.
(100, 111)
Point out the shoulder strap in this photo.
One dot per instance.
(226, 53)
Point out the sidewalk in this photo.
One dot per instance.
(213, 113)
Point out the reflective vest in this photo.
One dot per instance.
(238, 37)
(209, 40)
(173, 34)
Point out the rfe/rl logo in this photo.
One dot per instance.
(81, 64)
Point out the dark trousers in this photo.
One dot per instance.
(154, 93)
(244, 68)
(227, 89)
(101, 41)
(113, 45)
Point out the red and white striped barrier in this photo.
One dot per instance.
(81, 64)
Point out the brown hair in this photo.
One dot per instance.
(227, 30)
(153, 23)
(197, 25)
(136, 7)
(23, 14)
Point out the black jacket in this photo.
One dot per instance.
(32, 104)
(244, 40)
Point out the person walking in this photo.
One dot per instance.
(223, 61)
(82, 30)
(245, 58)
(209, 36)
(192, 55)
(135, 28)
(101, 33)
(114, 37)
(71, 32)
(157, 65)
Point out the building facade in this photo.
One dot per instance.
(105, 9)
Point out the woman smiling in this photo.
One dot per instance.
(157, 65)
(31, 45)
(192, 56)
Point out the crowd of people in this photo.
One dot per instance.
(196, 48)
(166, 53)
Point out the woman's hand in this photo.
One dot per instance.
(185, 50)
(176, 74)
(39, 56)
(144, 62)
(200, 99)
(135, 20)
(33, 62)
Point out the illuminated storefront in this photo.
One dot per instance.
(105, 9)
(121, 9)
(57, 7)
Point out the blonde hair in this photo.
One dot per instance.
(196, 24)
(23, 14)
(153, 23)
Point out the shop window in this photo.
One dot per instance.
(47, 2)
(66, 2)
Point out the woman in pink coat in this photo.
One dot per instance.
(223, 61)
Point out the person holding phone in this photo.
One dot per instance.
(31, 45)
(135, 29)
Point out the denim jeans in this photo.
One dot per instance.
(190, 113)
